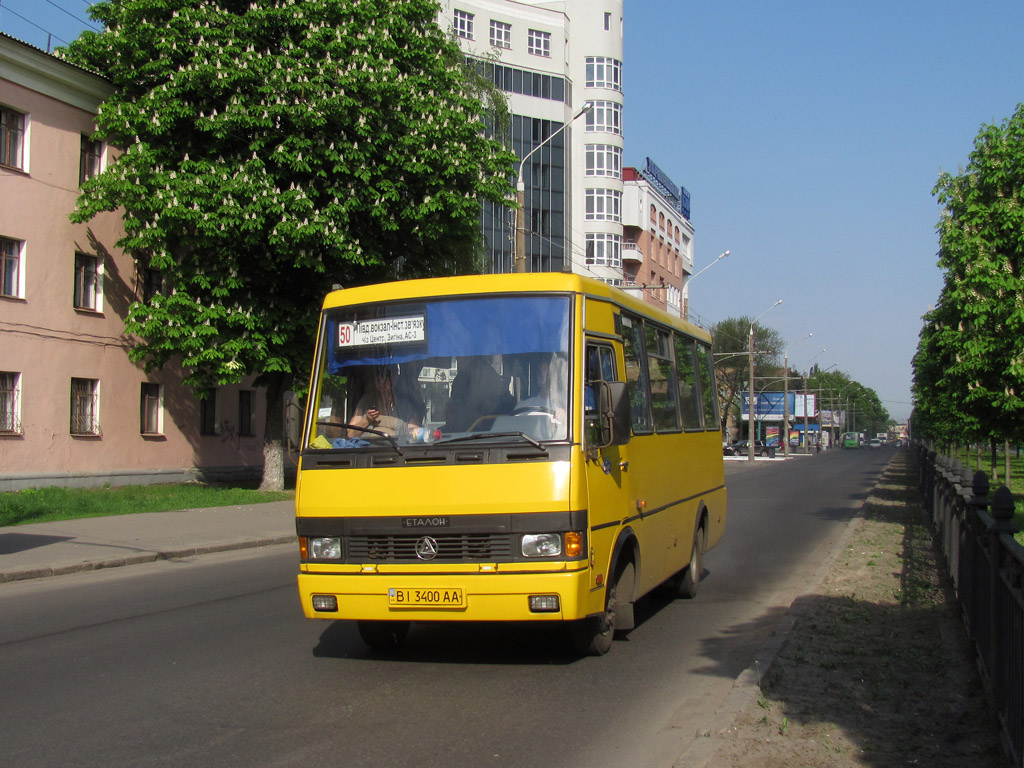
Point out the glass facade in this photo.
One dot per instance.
(545, 215)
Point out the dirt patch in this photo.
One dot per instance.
(876, 670)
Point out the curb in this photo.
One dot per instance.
(150, 557)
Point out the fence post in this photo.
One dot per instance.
(929, 481)
(969, 586)
(1004, 627)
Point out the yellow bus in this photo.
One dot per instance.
(505, 448)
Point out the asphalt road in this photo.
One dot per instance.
(208, 662)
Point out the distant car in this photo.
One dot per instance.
(875, 443)
(741, 448)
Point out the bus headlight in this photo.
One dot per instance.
(542, 545)
(325, 548)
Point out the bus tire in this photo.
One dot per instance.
(686, 582)
(689, 579)
(593, 635)
(383, 635)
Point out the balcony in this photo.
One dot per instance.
(632, 252)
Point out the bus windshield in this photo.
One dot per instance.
(403, 373)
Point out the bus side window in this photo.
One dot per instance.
(686, 370)
(708, 390)
(636, 379)
(661, 374)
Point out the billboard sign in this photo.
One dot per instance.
(771, 406)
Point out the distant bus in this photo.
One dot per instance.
(557, 457)
(851, 440)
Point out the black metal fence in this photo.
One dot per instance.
(987, 566)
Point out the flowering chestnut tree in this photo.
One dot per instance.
(972, 351)
(274, 148)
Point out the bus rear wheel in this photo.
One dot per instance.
(686, 583)
(383, 635)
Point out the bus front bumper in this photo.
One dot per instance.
(558, 596)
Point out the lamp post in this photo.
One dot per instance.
(750, 403)
(520, 251)
(686, 315)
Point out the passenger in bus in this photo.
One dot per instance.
(478, 391)
(387, 400)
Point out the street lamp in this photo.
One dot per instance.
(750, 404)
(520, 252)
(691, 278)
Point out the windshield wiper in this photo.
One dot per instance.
(484, 435)
(385, 435)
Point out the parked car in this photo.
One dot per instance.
(741, 448)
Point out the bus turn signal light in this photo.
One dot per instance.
(573, 544)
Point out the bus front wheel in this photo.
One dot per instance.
(383, 635)
(593, 635)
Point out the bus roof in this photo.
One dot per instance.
(526, 282)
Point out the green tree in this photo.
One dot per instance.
(731, 339)
(974, 352)
(271, 150)
(940, 411)
(860, 405)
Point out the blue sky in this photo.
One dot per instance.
(809, 135)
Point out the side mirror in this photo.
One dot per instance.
(610, 424)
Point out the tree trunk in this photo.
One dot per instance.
(1006, 463)
(273, 436)
(995, 459)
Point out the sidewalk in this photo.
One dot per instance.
(38, 550)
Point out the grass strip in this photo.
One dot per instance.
(43, 505)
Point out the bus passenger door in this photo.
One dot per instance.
(607, 469)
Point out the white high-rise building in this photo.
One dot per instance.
(560, 65)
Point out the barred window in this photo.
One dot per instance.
(85, 406)
(604, 72)
(87, 282)
(208, 412)
(89, 162)
(152, 283)
(12, 138)
(501, 34)
(605, 116)
(150, 409)
(245, 413)
(539, 43)
(604, 205)
(10, 403)
(604, 160)
(464, 24)
(604, 249)
(10, 268)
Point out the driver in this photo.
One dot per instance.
(389, 402)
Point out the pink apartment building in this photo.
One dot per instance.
(657, 240)
(73, 409)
